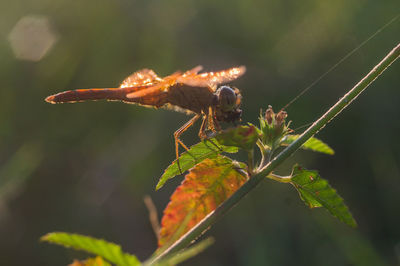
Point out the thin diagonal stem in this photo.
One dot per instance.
(212, 217)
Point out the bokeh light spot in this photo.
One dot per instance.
(32, 38)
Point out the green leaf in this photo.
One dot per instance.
(186, 254)
(244, 137)
(107, 250)
(316, 192)
(197, 153)
(313, 144)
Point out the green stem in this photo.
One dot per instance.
(250, 161)
(212, 217)
(264, 154)
(282, 179)
(334, 110)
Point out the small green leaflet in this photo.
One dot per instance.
(197, 153)
(107, 250)
(316, 192)
(244, 137)
(313, 144)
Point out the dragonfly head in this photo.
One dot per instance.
(227, 104)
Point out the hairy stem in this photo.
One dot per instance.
(201, 227)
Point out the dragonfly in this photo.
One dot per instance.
(199, 94)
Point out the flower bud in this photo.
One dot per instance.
(269, 115)
(273, 127)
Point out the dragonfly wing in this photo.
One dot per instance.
(142, 77)
(212, 79)
(152, 96)
(193, 71)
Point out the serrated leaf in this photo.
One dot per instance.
(244, 137)
(197, 153)
(313, 144)
(110, 251)
(98, 261)
(204, 188)
(186, 254)
(316, 192)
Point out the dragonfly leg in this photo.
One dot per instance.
(210, 119)
(203, 135)
(215, 121)
(178, 133)
(202, 131)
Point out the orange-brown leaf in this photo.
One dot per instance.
(97, 261)
(204, 188)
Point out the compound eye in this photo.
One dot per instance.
(226, 98)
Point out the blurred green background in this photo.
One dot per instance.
(86, 167)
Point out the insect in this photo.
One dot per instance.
(190, 92)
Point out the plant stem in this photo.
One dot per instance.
(281, 179)
(334, 110)
(202, 226)
(264, 154)
(250, 162)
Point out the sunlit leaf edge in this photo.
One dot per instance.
(110, 251)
